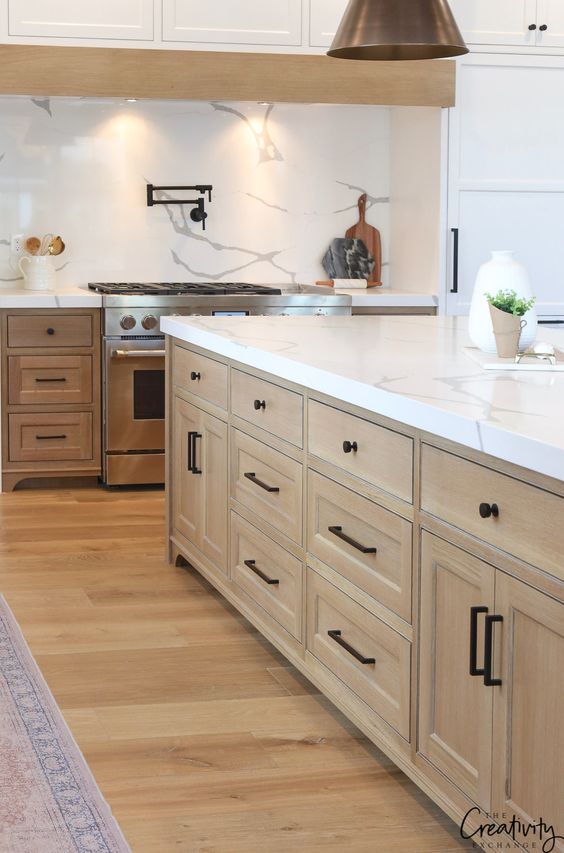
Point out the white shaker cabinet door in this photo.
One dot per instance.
(96, 19)
(325, 17)
(550, 14)
(233, 21)
(529, 223)
(496, 21)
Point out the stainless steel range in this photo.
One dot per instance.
(134, 357)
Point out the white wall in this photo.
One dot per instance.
(286, 181)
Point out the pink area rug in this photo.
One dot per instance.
(49, 801)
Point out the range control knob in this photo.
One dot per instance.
(149, 322)
(127, 322)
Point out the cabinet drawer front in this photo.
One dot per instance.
(384, 684)
(528, 526)
(270, 576)
(268, 406)
(383, 457)
(336, 516)
(34, 380)
(50, 437)
(201, 376)
(256, 470)
(50, 330)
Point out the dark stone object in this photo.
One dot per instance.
(346, 258)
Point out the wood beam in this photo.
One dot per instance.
(210, 76)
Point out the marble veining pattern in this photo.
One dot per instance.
(412, 369)
(286, 181)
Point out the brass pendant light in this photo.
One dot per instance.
(397, 29)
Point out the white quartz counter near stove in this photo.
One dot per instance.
(75, 297)
(412, 369)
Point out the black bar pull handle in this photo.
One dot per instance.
(474, 611)
(488, 651)
(338, 532)
(336, 636)
(251, 564)
(194, 469)
(58, 379)
(47, 437)
(257, 482)
(454, 288)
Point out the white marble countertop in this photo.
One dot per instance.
(69, 297)
(387, 297)
(412, 369)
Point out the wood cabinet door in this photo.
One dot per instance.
(528, 757)
(455, 709)
(324, 18)
(496, 21)
(233, 21)
(550, 14)
(186, 486)
(111, 19)
(211, 458)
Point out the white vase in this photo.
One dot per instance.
(501, 273)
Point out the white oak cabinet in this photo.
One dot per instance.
(435, 626)
(268, 22)
(103, 19)
(511, 670)
(528, 24)
(199, 505)
(324, 18)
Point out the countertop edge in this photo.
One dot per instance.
(527, 453)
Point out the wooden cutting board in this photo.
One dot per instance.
(371, 238)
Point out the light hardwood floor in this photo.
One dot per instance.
(201, 736)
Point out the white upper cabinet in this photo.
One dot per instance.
(325, 17)
(529, 24)
(550, 14)
(92, 19)
(233, 21)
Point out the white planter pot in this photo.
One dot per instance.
(501, 273)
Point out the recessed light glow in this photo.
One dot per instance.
(264, 103)
(131, 100)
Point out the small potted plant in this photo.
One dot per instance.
(507, 310)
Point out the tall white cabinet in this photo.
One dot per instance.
(506, 173)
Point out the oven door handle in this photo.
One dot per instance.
(138, 353)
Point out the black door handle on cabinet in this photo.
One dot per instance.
(543, 28)
(61, 379)
(488, 651)
(336, 636)
(251, 564)
(195, 377)
(338, 532)
(532, 27)
(474, 611)
(350, 446)
(259, 404)
(47, 437)
(50, 331)
(454, 288)
(192, 467)
(487, 510)
(260, 483)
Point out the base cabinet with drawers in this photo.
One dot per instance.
(51, 418)
(418, 585)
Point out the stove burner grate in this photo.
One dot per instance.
(182, 288)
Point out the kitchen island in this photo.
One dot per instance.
(390, 515)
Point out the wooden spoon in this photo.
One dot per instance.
(32, 245)
(56, 246)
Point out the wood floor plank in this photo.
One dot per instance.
(200, 734)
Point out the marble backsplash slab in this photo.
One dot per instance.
(286, 181)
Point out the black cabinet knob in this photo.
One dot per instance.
(195, 376)
(543, 28)
(487, 510)
(349, 446)
(50, 331)
(533, 27)
(259, 404)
